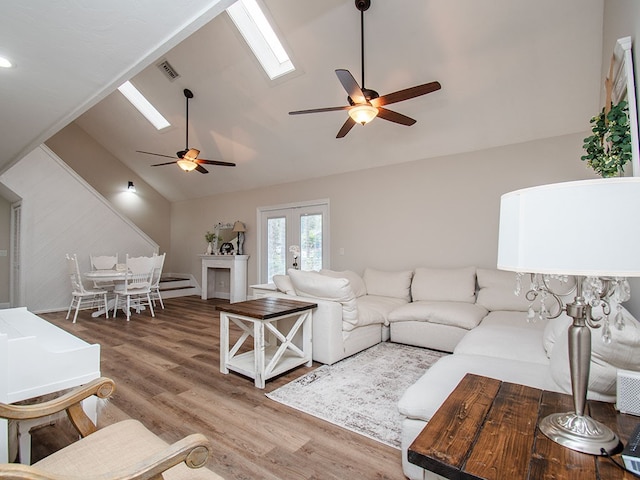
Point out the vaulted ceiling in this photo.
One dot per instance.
(511, 71)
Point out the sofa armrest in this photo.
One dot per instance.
(327, 338)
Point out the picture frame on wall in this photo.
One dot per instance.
(624, 88)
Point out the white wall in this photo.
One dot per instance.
(435, 212)
(150, 211)
(62, 214)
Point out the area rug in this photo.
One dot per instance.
(361, 393)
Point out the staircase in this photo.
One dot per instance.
(178, 285)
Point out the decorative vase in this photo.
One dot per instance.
(209, 248)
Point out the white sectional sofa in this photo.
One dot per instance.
(352, 313)
(471, 312)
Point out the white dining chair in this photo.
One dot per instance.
(81, 297)
(136, 287)
(103, 262)
(155, 281)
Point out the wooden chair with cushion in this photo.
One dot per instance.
(125, 450)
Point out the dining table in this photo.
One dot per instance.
(115, 276)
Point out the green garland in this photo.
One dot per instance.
(609, 148)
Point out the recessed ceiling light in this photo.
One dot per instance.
(143, 105)
(5, 62)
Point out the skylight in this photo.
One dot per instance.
(258, 33)
(143, 105)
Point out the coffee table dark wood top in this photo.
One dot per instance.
(266, 308)
(487, 429)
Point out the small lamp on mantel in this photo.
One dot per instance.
(239, 228)
(586, 229)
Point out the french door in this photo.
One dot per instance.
(285, 230)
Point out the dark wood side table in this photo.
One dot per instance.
(273, 350)
(487, 429)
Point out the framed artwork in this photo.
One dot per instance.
(624, 88)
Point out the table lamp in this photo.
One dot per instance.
(239, 228)
(586, 229)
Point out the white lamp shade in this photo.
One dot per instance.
(589, 227)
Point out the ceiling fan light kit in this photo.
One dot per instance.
(363, 114)
(366, 104)
(187, 165)
(188, 158)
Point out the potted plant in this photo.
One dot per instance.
(608, 149)
(209, 237)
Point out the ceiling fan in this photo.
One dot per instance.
(188, 158)
(366, 104)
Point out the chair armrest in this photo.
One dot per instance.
(193, 450)
(101, 387)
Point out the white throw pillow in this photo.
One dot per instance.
(388, 284)
(553, 331)
(497, 291)
(357, 284)
(622, 353)
(444, 285)
(283, 284)
(313, 284)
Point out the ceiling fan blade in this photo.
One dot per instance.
(215, 162)
(395, 117)
(156, 154)
(406, 94)
(351, 86)
(160, 164)
(201, 169)
(348, 125)
(318, 110)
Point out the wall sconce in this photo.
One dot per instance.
(131, 187)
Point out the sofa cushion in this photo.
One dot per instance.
(444, 284)
(506, 335)
(357, 284)
(115, 448)
(376, 309)
(606, 359)
(497, 291)
(459, 314)
(553, 331)
(424, 397)
(283, 284)
(315, 285)
(388, 284)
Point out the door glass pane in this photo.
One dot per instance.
(311, 242)
(276, 247)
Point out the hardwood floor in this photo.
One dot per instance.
(167, 375)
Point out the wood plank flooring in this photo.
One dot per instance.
(167, 375)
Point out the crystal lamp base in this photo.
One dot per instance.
(579, 432)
